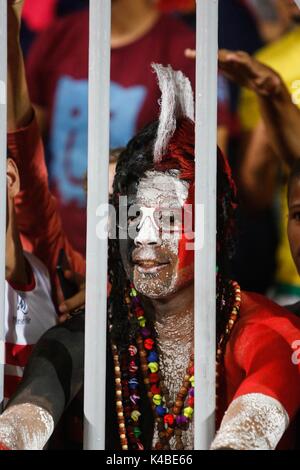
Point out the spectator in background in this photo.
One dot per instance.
(271, 23)
(260, 159)
(29, 306)
(57, 78)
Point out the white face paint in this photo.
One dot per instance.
(155, 266)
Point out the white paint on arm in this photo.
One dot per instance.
(25, 427)
(252, 422)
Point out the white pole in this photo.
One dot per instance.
(205, 222)
(96, 277)
(3, 140)
(297, 3)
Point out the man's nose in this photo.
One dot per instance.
(148, 233)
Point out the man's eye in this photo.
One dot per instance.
(296, 216)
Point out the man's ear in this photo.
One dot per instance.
(12, 178)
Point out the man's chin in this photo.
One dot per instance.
(151, 288)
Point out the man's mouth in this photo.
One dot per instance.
(149, 266)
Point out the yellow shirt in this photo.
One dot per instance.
(284, 57)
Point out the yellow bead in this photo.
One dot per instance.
(192, 380)
(142, 322)
(188, 412)
(157, 399)
(153, 366)
(135, 415)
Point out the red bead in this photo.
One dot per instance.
(191, 401)
(155, 390)
(148, 343)
(139, 312)
(169, 419)
(191, 370)
(153, 377)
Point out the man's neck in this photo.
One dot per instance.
(174, 317)
(131, 19)
(15, 266)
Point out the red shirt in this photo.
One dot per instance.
(57, 71)
(260, 357)
(37, 214)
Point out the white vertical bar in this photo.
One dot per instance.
(205, 199)
(96, 278)
(3, 117)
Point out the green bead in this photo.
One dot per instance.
(133, 292)
(137, 432)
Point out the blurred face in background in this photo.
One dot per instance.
(288, 10)
(294, 221)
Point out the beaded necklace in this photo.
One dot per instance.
(172, 418)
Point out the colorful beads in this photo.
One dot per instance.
(137, 432)
(133, 383)
(188, 412)
(148, 343)
(132, 350)
(157, 399)
(152, 357)
(160, 410)
(153, 378)
(155, 390)
(190, 401)
(133, 292)
(153, 366)
(145, 332)
(133, 367)
(172, 419)
(142, 321)
(134, 398)
(135, 415)
(169, 419)
(181, 420)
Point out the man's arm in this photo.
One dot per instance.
(280, 115)
(19, 110)
(37, 214)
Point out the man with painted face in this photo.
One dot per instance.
(150, 384)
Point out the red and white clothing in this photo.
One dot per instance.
(29, 312)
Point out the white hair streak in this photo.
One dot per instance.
(177, 101)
